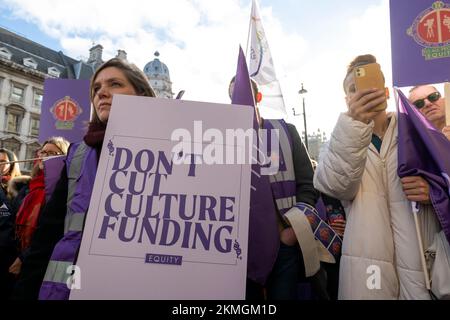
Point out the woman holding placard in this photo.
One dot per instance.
(58, 238)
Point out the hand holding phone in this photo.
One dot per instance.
(369, 76)
(362, 104)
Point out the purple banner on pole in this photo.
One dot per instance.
(263, 239)
(424, 151)
(65, 109)
(420, 36)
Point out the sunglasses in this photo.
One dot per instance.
(433, 97)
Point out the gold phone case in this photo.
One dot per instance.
(370, 76)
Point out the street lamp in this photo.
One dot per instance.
(303, 92)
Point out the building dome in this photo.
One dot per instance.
(157, 69)
(159, 78)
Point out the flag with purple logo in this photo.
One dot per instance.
(264, 238)
(65, 109)
(422, 29)
(424, 151)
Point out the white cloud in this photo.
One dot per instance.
(323, 68)
(198, 40)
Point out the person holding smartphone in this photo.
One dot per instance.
(380, 250)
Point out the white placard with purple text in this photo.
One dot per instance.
(161, 230)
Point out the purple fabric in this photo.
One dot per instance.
(283, 189)
(264, 240)
(85, 186)
(52, 172)
(267, 124)
(320, 207)
(55, 291)
(424, 151)
(66, 249)
(286, 130)
(242, 92)
(413, 68)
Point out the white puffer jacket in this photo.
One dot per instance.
(380, 227)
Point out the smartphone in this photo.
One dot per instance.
(370, 76)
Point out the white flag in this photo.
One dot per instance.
(261, 66)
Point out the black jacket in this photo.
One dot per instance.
(49, 231)
(8, 247)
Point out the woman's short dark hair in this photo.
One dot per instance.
(133, 74)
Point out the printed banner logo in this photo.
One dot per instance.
(65, 111)
(431, 29)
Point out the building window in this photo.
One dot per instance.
(54, 72)
(14, 116)
(13, 145)
(34, 126)
(31, 154)
(38, 96)
(13, 123)
(30, 63)
(4, 53)
(17, 93)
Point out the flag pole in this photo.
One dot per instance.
(29, 160)
(422, 252)
(249, 28)
(447, 103)
(22, 161)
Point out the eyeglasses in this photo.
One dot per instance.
(48, 153)
(433, 97)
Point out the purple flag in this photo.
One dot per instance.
(424, 151)
(52, 172)
(420, 28)
(242, 91)
(65, 109)
(264, 239)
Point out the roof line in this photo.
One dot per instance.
(24, 38)
(14, 32)
(32, 54)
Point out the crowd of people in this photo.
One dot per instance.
(354, 189)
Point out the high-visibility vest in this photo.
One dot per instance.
(81, 166)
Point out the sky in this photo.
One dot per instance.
(312, 42)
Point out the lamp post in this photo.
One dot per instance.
(302, 92)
